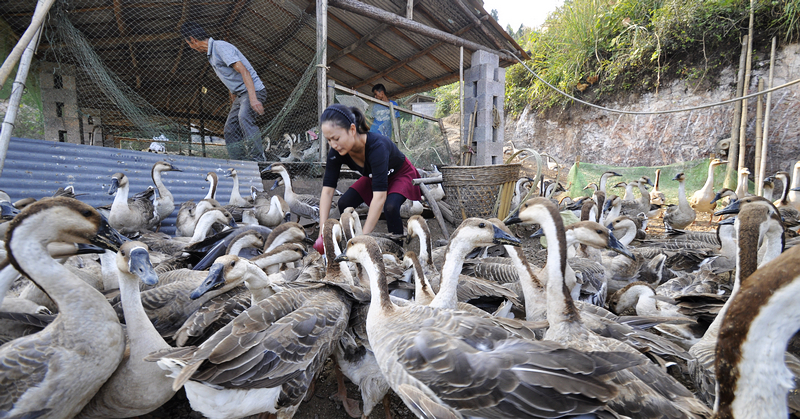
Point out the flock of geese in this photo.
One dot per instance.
(241, 313)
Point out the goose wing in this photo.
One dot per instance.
(212, 316)
(24, 366)
(474, 368)
(283, 340)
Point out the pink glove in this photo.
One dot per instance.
(319, 246)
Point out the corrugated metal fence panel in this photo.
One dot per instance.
(37, 168)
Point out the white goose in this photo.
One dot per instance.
(136, 387)
(128, 216)
(646, 390)
(236, 198)
(682, 215)
(451, 364)
(300, 205)
(55, 372)
(213, 181)
(165, 204)
(794, 196)
(701, 199)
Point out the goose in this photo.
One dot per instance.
(265, 359)
(646, 390)
(56, 372)
(301, 205)
(409, 208)
(768, 188)
(222, 309)
(130, 216)
(682, 215)
(656, 196)
(785, 180)
(758, 222)
(433, 357)
(612, 209)
(741, 184)
(642, 205)
(629, 196)
(274, 212)
(213, 181)
(752, 378)
(701, 199)
(794, 196)
(236, 198)
(351, 223)
(136, 387)
(164, 202)
(520, 191)
(604, 181)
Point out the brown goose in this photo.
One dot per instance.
(646, 391)
(165, 204)
(450, 364)
(129, 216)
(43, 374)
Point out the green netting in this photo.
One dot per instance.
(581, 174)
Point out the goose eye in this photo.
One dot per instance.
(122, 252)
(233, 263)
(482, 225)
(86, 213)
(599, 231)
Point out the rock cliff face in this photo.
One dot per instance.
(603, 137)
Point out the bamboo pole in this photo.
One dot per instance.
(16, 96)
(733, 151)
(765, 136)
(461, 94)
(759, 122)
(322, 70)
(42, 7)
(747, 72)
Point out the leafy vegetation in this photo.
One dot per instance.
(597, 49)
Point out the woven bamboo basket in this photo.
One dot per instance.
(473, 191)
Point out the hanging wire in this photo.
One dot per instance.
(694, 108)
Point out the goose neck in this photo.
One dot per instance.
(454, 260)
(136, 321)
(560, 306)
(121, 197)
(532, 289)
(683, 203)
(235, 195)
(258, 283)
(162, 189)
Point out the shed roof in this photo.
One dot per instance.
(139, 43)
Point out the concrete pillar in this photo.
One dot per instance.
(484, 91)
(62, 121)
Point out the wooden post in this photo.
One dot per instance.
(748, 67)
(733, 151)
(765, 135)
(322, 71)
(461, 95)
(16, 96)
(759, 121)
(42, 8)
(395, 125)
(410, 9)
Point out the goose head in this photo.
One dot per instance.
(735, 206)
(133, 258)
(225, 270)
(77, 222)
(164, 166)
(118, 180)
(476, 232)
(612, 201)
(592, 186)
(628, 296)
(275, 168)
(595, 235)
(680, 177)
(621, 185)
(7, 210)
(723, 193)
(717, 162)
(231, 173)
(286, 233)
(645, 180)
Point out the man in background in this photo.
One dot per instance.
(247, 92)
(381, 115)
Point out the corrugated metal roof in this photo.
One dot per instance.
(37, 168)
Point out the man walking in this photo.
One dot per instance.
(242, 135)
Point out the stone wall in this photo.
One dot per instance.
(602, 137)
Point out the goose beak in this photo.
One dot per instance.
(107, 237)
(616, 174)
(308, 240)
(275, 185)
(537, 233)
(232, 223)
(732, 208)
(341, 258)
(677, 177)
(267, 169)
(215, 279)
(513, 218)
(501, 237)
(618, 247)
(9, 211)
(717, 197)
(114, 186)
(727, 221)
(139, 264)
(229, 173)
(174, 169)
(795, 189)
(606, 205)
(287, 217)
(85, 249)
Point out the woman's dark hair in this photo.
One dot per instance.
(193, 30)
(343, 116)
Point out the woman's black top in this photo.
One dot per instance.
(382, 158)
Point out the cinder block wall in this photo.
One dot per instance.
(484, 90)
(60, 103)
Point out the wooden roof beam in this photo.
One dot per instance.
(354, 58)
(411, 58)
(476, 21)
(380, 15)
